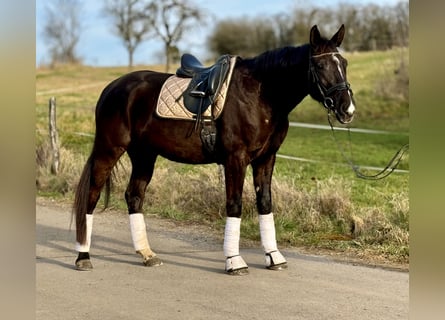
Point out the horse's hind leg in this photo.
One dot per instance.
(94, 176)
(143, 166)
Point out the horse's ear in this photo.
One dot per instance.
(338, 37)
(315, 36)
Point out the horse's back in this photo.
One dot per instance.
(119, 91)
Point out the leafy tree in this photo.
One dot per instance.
(368, 27)
(244, 37)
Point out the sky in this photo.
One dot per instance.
(99, 46)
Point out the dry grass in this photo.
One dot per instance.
(321, 216)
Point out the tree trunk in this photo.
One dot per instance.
(130, 58)
(167, 57)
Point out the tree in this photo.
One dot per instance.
(170, 19)
(401, 18)
(349, 15)
(62, 30)
(244, 37)
(285, 29)
(130, 23)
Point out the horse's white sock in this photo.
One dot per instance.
(86, 246)
(138, 231)
(231, 237)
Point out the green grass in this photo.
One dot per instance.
(320, 205)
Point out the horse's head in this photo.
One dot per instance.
(327, 75)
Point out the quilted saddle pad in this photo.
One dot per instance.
(170, 102)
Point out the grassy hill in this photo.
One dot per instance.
(318, 204)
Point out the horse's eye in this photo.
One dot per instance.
(320, 65)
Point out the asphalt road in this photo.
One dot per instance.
(192, 284)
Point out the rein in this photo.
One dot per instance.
(390, 167)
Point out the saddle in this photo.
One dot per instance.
(205, 84)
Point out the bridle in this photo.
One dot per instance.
(327, 102)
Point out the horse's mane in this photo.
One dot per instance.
(279, 60)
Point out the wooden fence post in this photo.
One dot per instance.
(54, 136)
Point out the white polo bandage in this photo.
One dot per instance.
(231, 237)
(89, 225)
(267, 232)
(138, 231)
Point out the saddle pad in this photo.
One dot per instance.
(170, 102)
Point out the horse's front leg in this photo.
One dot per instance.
(235, 171)
(262, 179)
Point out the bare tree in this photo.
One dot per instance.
(285, 29)
(62, 30)
(401, 17)
(170, 19)
(130, 23)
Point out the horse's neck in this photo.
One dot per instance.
(284, 85)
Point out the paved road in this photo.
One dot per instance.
(191, 284)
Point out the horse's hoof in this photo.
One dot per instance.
(238, 272)
(84, 265)
(278, 267)
(153, 261)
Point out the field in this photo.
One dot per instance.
(319, 205)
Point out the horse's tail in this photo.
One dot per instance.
(81, 200)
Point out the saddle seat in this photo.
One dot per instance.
(190, 65)
(206, 81)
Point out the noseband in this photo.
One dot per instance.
(328, 102)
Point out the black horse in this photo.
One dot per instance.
(253, 124)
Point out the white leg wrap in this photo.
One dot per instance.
(86, 246)
(267, 232)
(268, 240)
(234, 261)
(231, 237)
(138, 232)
